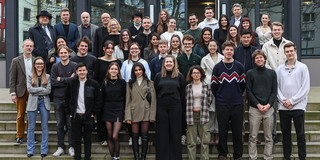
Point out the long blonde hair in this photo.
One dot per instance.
(34, 77)
(160, 22)
(175, 70)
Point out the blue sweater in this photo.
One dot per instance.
(228, 85)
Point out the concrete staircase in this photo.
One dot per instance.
(9, 152)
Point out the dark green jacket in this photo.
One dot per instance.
(185, 64)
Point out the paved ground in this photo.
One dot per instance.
(314, 95)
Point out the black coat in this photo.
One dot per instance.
(92, 97)
(143, 40)
(98, 42)
(42, 43)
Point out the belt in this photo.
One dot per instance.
(40, 97)
(80, 114)
(196, 112)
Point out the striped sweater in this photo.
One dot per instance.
(228, 82)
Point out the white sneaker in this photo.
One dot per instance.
(140, 141)
(183, 140)
(58, 153)
(130, 141)
(71, 151)
(104, 143)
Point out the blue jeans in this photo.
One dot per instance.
(32, 116)
(62, 119)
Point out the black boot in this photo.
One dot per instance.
(135, 145)
(145, 138)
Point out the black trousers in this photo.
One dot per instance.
(234, 115)
(298, 117)
(101, 128)
(82, 126)
(168, 129)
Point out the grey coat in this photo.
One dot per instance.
(34, 92)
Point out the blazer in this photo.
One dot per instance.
(233, 20)
(137, 106)
(36, 91)
(73, 34)
(17, 76)
(93, 29)
(42, 43)
(98, 45)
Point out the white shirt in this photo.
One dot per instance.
(213, 24)
(28, 65)
(126, 69)
(81, 106)
(237, 21)
(293, 84)
(47, 31)
(167, 36)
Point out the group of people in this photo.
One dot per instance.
(192, 85)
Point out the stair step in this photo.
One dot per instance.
(9, 148)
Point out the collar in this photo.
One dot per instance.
(237, 19)
(24, 57)
(286, 65)
(82, 56)
(161, 57)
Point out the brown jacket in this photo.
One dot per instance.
(138, 108)
(17, 76)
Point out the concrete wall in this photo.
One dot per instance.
(3, 74)
(313, 65)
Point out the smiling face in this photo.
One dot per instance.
(109, 50)
(138, 71)
(206, 36)
(209, 14)
(246, 39)
(290, 53)
(39, 65)
(105, 17)
(169, 63)
(212, 47)
(27, 47)
(82, 72)
(224, 22)
(114, 26)
(64, 54)
(83, 48)
(61, 42)
(134, 50)
(188, 45)
(196, 75)
(113, 71)
(163, 16)
(193, 20)
(277, 32)
(265, 19)
(175, 42)
(154, 40)
(125, 37)
(228, 52)
(146, 23)
(237, 11)
(259, 60)
(233, 32)
(172, 24)
(245, 24)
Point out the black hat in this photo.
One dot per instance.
(44, 13)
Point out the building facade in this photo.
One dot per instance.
(299, 19)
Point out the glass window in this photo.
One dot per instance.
(176, 9)
(2, 29)
(127, 9)
(310, 29)
(27, 12)
(35, 8)
(98, 7)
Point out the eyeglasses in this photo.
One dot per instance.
(187, 44)
(196, 73)
(134, 48)
(40, 64)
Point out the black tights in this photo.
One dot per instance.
(113, 129)
(144, 127)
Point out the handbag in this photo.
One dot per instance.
(148, 92)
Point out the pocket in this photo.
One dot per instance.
(206, 134)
